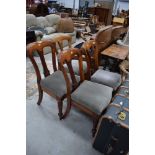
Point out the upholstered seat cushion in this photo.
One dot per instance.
(107, 78)
(75, 66)
(93, 96)
(55, 83)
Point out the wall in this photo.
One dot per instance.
(123, 5)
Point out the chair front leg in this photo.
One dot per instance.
(60, 114)
(40, 95)
(68, 108)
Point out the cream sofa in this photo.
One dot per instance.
(46, 27)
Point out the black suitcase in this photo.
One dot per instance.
(112, 136)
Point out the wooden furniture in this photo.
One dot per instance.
(118, 32)
(116, 51)
(60, 40)
(101, 12)
(91, 98)
(100, 76)
(103, 40)
(118, 21)
(63, 14)
(52, 84)
(90, 48)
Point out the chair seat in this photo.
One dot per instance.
(75, 66)
(55, 83)
(107, 78)
(93, 96)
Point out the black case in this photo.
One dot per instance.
(112, 136)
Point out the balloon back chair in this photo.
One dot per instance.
(52, 83)
(60, 40)
(89, 97)
(101, 76)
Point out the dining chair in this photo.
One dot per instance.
(91, 98)
(100, 76)
(59, 40)
(51, 83)
(63, 39)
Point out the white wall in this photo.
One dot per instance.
(123, 5)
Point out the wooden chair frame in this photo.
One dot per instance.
(61, 38)
(65, 57)
(39, 46)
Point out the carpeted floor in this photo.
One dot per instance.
(45, 133)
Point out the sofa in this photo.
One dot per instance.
(49, 27)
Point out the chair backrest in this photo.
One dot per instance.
(103, 37)
(39, 48)
(90, 48)
(60, 40)
(118, 32)
(66, 57)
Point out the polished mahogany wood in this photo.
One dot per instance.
(65, 57)
(90, 49)
(38, 47)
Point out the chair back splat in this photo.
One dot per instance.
(92, 53)
(66, 57)
(38, 47)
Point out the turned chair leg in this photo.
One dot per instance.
(60, 114)
(40, 96)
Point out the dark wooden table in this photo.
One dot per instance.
(116, 52)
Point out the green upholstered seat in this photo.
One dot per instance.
(56, 84)
(93, 96)
(107, 78)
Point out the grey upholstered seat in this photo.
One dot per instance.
(55, 83)
(94, 96)
(107, 78)
(75, 66)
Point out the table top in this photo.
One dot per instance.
(116, 51)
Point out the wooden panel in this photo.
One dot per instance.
(103, 13)
(116, 51)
